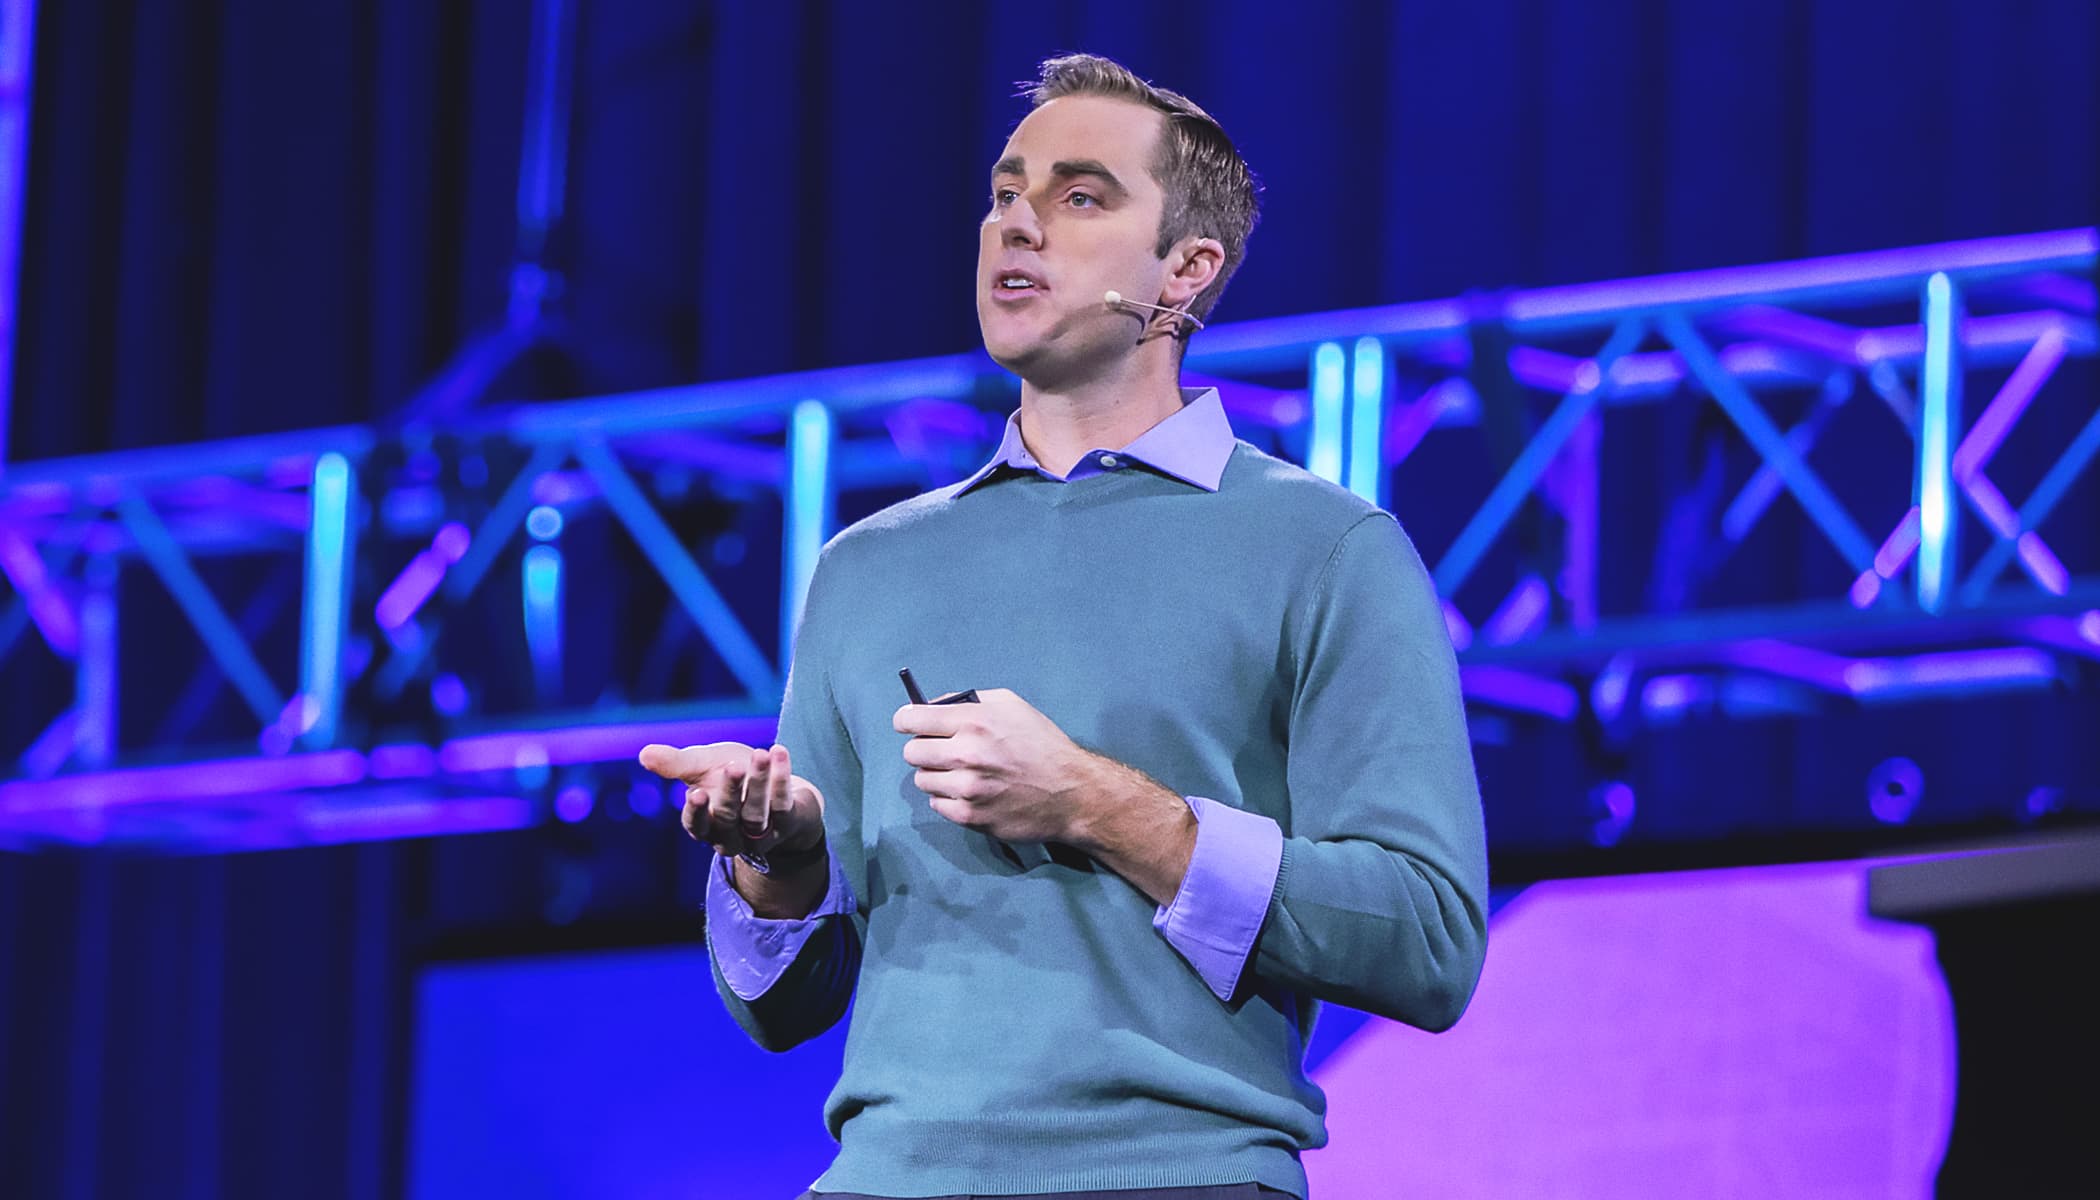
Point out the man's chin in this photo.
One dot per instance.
(1015, 354)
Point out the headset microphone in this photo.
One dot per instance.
(1116, 300)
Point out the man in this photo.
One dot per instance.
(1216, 770)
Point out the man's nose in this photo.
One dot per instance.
(1018, 226)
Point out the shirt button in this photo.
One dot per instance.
(1110, 461)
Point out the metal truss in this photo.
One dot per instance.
(376, 720)
(17, 43)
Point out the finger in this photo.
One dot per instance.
(784, 777)
(777, 782)
(725, 799)
(956, 785)
(687, 765)
(933, 754)
(958, 811)
(757, 790)
(694, 816)
(929, 720)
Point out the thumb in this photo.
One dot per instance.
(671, 762)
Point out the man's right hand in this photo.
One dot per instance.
(740, 799)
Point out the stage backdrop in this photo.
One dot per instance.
(245, 215)
(1728, 1033)
(248, 216)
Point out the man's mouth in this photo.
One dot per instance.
(1012, 282)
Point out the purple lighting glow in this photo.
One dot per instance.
(2047, 569)
(1512, 689)
(1890, 678)
(1608, 693)
(1662, 1036)
(420, 579)
(1881, 678)
(1901, 544)
(573, 803)
(190, 781)
(1817, 667)
(54, 618)
(1611, 811)
(1668, 695)
(1865, 590)
(415, 585)
(1842, 271)
(594, 743)
(2012, 399)
(1457, 626)
(1520, 614)
(448, 694)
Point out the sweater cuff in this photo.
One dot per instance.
(1216, 915)
(754, 951)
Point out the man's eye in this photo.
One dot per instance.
(1004, 196)
(1083, 200)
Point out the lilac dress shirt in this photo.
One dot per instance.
(1214, 917)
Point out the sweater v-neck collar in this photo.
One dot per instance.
(1193, 444)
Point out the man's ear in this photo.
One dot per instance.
(1197, 263)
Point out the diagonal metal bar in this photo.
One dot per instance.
(2044, 499)
(13, 620)
(486, 543)
(1975, 452)
(23, 566)
(1741, 515)
(502, 521)
(53, 748)
(1822, 507)
(221, 637)
(2004, 410)
(190, 708)
(65, 548)
(702, 602)
(1502, 503)
(1418, 417)
(1882, 378)
(1763, 485)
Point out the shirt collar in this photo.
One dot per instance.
(1192, 444)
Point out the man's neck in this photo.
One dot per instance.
(1108, 412)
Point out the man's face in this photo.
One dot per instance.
(1074, 213)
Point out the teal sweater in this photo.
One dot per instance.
(1275, 645)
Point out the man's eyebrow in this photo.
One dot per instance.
(1088, 166)
(1014, 164)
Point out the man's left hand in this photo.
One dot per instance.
(1000, 766)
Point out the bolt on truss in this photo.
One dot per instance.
(367, 704)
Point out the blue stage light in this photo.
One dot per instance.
(1323, 453)
(544, 523)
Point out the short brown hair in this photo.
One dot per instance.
(1209, 189)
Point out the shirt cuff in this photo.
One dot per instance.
(754, 951)
(1216, 915)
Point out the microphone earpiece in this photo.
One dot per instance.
(1114, 299)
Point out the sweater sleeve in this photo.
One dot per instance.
(802, 997)
(1381, 897)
